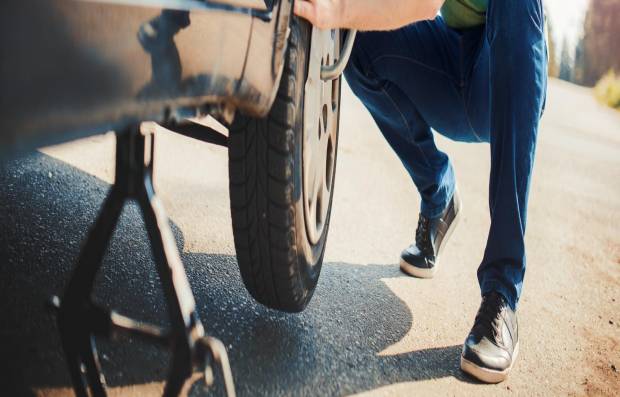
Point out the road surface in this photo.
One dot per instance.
(370, 330)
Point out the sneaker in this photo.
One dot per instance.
(492, 345)
(420, 258)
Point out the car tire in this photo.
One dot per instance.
(279, 250)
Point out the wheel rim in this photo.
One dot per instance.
(319, 133)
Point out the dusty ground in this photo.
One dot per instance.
(369, 329)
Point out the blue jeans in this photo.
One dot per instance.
(485, 84)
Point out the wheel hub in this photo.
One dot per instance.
(319, 132)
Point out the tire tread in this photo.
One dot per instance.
(261, 168)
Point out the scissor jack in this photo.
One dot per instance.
(80, 320)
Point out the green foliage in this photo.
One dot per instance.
(607, 90)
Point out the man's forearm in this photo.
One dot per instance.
(366, 14)
(387, 14)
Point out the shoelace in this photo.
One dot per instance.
(486, 317)
(423, 235)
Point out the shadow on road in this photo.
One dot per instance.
(46, 207)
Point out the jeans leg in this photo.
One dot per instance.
(518, 65)
(406, 80)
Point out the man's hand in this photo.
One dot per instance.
(324, 14)
(366, 14)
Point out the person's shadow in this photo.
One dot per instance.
(329, 349)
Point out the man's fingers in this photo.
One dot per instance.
(305, 9)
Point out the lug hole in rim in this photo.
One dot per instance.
(318, 209)
(335, 86)
(330, 164)
(324, 115)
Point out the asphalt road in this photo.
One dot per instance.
(369, 330)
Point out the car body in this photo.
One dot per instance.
(70, 68)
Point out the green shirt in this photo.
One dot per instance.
(461, 14)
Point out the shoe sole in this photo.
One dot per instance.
(430, 273)
(417, 271)
(487, 375)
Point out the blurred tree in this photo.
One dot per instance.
(554, 66)
(579, 63)
(566, 62)
(601, 47)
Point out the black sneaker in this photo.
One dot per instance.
(420, 258)
(492, 345)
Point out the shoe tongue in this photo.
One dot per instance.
(495, 299)
(423, 239)
(489, 312)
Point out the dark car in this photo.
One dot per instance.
(71, 68)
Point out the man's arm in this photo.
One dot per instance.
(366, 14)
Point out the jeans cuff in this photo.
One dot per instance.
(497, 286)
(433, 211)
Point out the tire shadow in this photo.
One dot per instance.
(46, 208)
